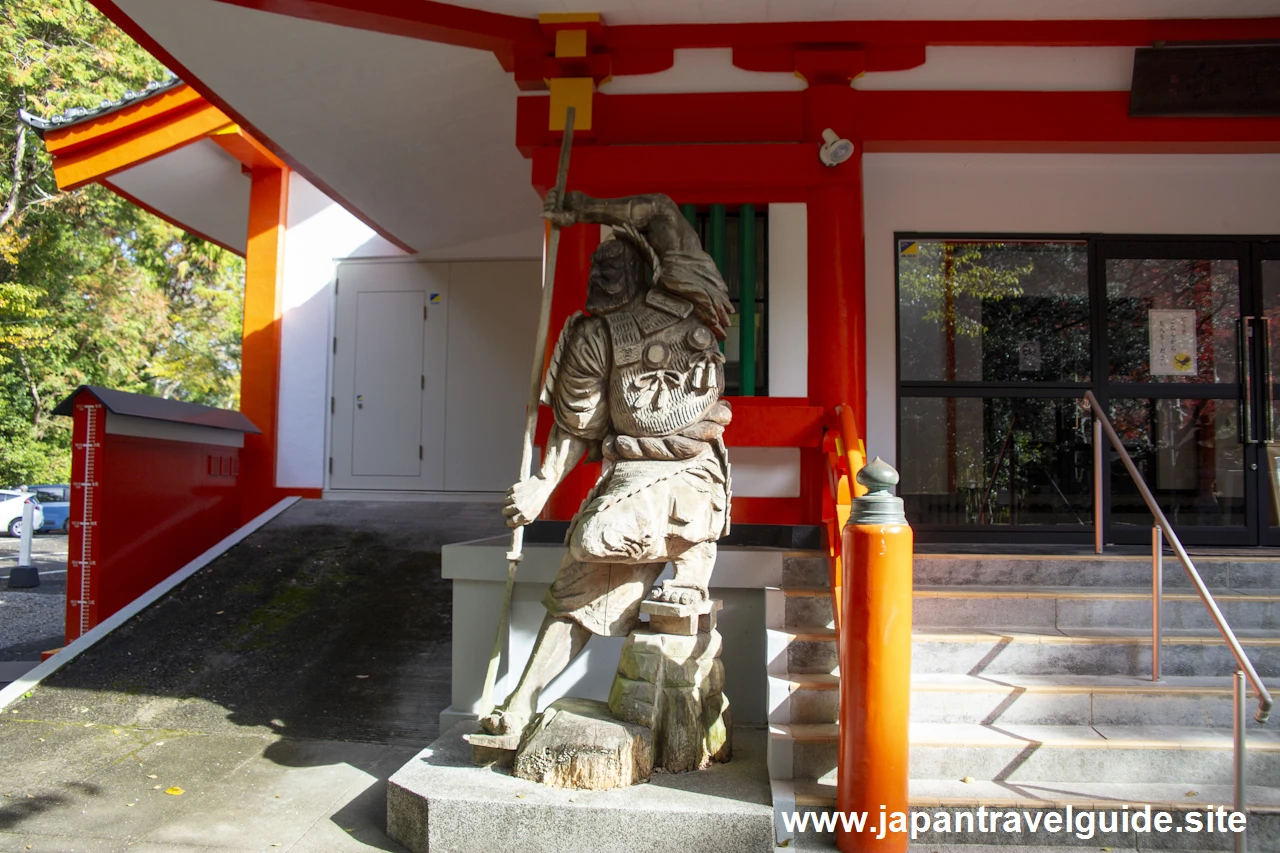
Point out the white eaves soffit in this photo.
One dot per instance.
(622, 12)
(418, 136)
(198, 185)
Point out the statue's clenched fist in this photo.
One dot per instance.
(559, 211)
(525, 501)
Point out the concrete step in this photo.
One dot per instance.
(1038, 798)
(804, 698)
(803, 750)
(806, 571)
(1089, 571)
(1098, 607)
(1086, 651)
(1065, 700)
(1015, 753)
(813, 652)
(1058, 700)
(1138, 754)
(807, 607)
(955, 793)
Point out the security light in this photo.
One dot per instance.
(835, 149)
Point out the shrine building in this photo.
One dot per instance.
(1021, 211)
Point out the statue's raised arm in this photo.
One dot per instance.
(685, 268)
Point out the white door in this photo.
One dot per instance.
(390, 346)
(386, 426)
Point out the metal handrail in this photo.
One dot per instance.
(1101, 424)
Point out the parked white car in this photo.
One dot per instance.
(11, 511)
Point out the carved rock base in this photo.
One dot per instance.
(577, 744)
(674, 685)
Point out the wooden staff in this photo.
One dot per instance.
(531, 412)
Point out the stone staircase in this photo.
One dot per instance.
(1031, 689)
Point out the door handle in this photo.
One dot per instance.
(1243, 328)
(1268, 377)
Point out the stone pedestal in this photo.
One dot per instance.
(578, 744)
(673, 683)
(439, 802)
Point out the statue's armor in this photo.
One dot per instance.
(666, 372)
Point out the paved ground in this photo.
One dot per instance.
(31, 620)
(261, 706)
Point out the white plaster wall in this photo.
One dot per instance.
(318, 232)
(478, 572)
(788, 300)
(765, 472)
(1041, 193)
(1021, 69)
(1046, 69)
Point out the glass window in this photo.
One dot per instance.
(993, 311)
(995, 461)
(1172, 320)
(1188, 453)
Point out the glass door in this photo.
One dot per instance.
(1179, 367)
(1267, 343)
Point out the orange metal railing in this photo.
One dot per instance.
(845, 455)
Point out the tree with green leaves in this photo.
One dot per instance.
(92, 289)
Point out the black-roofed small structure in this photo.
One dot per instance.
(160, 409)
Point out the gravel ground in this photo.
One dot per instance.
(32, 620)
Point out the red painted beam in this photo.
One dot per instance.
(779, 422)
(770, 511)
(892, 121)
(1078, 33)
(701, 174)
(466, 27)
(1044, 121)
(779, 425)
(697, 118)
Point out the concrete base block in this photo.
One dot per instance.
(24, 577)
(440, 802)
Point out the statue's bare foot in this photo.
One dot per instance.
(504, 722)
(673, 592)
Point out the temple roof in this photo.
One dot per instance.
(76, 115)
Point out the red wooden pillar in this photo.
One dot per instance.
(260, 351)
(573, 265)
(837, 271)
(837, 298)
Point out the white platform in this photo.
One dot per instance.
(479, 573)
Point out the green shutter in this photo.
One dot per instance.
(747, 298)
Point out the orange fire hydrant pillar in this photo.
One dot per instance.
(875, 667)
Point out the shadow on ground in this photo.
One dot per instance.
(322, 641)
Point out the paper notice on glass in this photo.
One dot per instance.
(1029, 357)
(1173, 341)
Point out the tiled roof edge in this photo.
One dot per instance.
(76, 115)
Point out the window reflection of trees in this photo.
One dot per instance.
(1135, 287)
(1196, 478)
(995, 312)
(968, 307)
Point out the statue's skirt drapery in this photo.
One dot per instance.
(641, 514)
